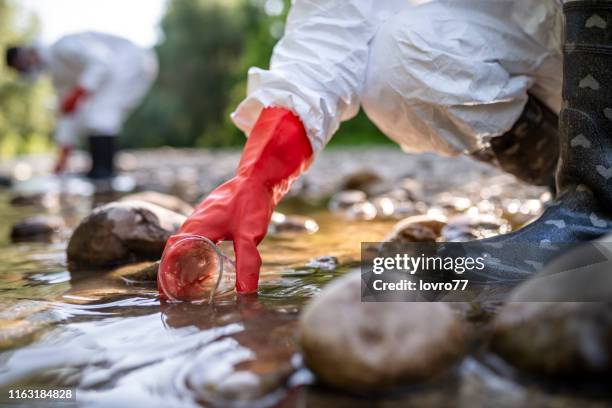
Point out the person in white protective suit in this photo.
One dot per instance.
(476, 77)
(99, 78)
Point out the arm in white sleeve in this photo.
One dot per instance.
(318, 67)
(94, 57)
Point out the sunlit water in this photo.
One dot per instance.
(116, 343)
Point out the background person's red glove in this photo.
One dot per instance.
(276, 153)
(73, 99)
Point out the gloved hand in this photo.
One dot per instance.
(73, 99)
(62, 159)
(276, 153)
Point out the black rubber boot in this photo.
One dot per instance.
(530, 150)
(583, 208)
(102, 150)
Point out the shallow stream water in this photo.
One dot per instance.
(113, 341)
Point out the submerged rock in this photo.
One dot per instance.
(42, 200)
(556, 338)
(21, 322)
(122, 231)
(326, 263)
(353, 204)
(139, 273)
(419, 228)
(166, 201)
(281, 223)
(37, 228)
(464, 228)
(360, 346)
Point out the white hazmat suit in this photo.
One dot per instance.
(116, 74)
(441, 75)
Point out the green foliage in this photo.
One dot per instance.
(24, 120)
(202, 44)
(208, 49)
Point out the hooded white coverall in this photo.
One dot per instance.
(441, 75)
(116, 74)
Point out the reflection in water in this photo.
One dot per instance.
(111, 338)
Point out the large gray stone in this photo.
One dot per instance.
(120, 232)
(559, 322)
(167, 201)
(360, 346)
(556, 338)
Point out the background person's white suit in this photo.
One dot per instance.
(116, 74)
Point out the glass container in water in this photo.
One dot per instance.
(194, 269)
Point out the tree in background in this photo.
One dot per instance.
(207, 49)
(202, 43)
(25, 120)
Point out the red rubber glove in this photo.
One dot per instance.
(72, 101)
(276, 153)
(62, 159)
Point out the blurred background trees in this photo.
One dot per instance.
(205, 51)
(25, 118)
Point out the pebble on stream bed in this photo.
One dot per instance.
(419, 228)
(39, 228)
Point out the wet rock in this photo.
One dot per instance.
(419, 228)
(468, 227)
(139, 273)
(6, 181)
(360, 346)
(14, 333)
(556, 338)
(42, 200)
(281, 223)
(21, 322)
(326, 263)
(361, 211)
(412, 188)
(364, 180)
(122, 231)
(344, 200)
(451, 203)
(395, 204)
(37, 228)
(353, 204)
(163, 200)
(559, 322)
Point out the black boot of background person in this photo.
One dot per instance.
(583, 208)
(530, 150)
(102, 149)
